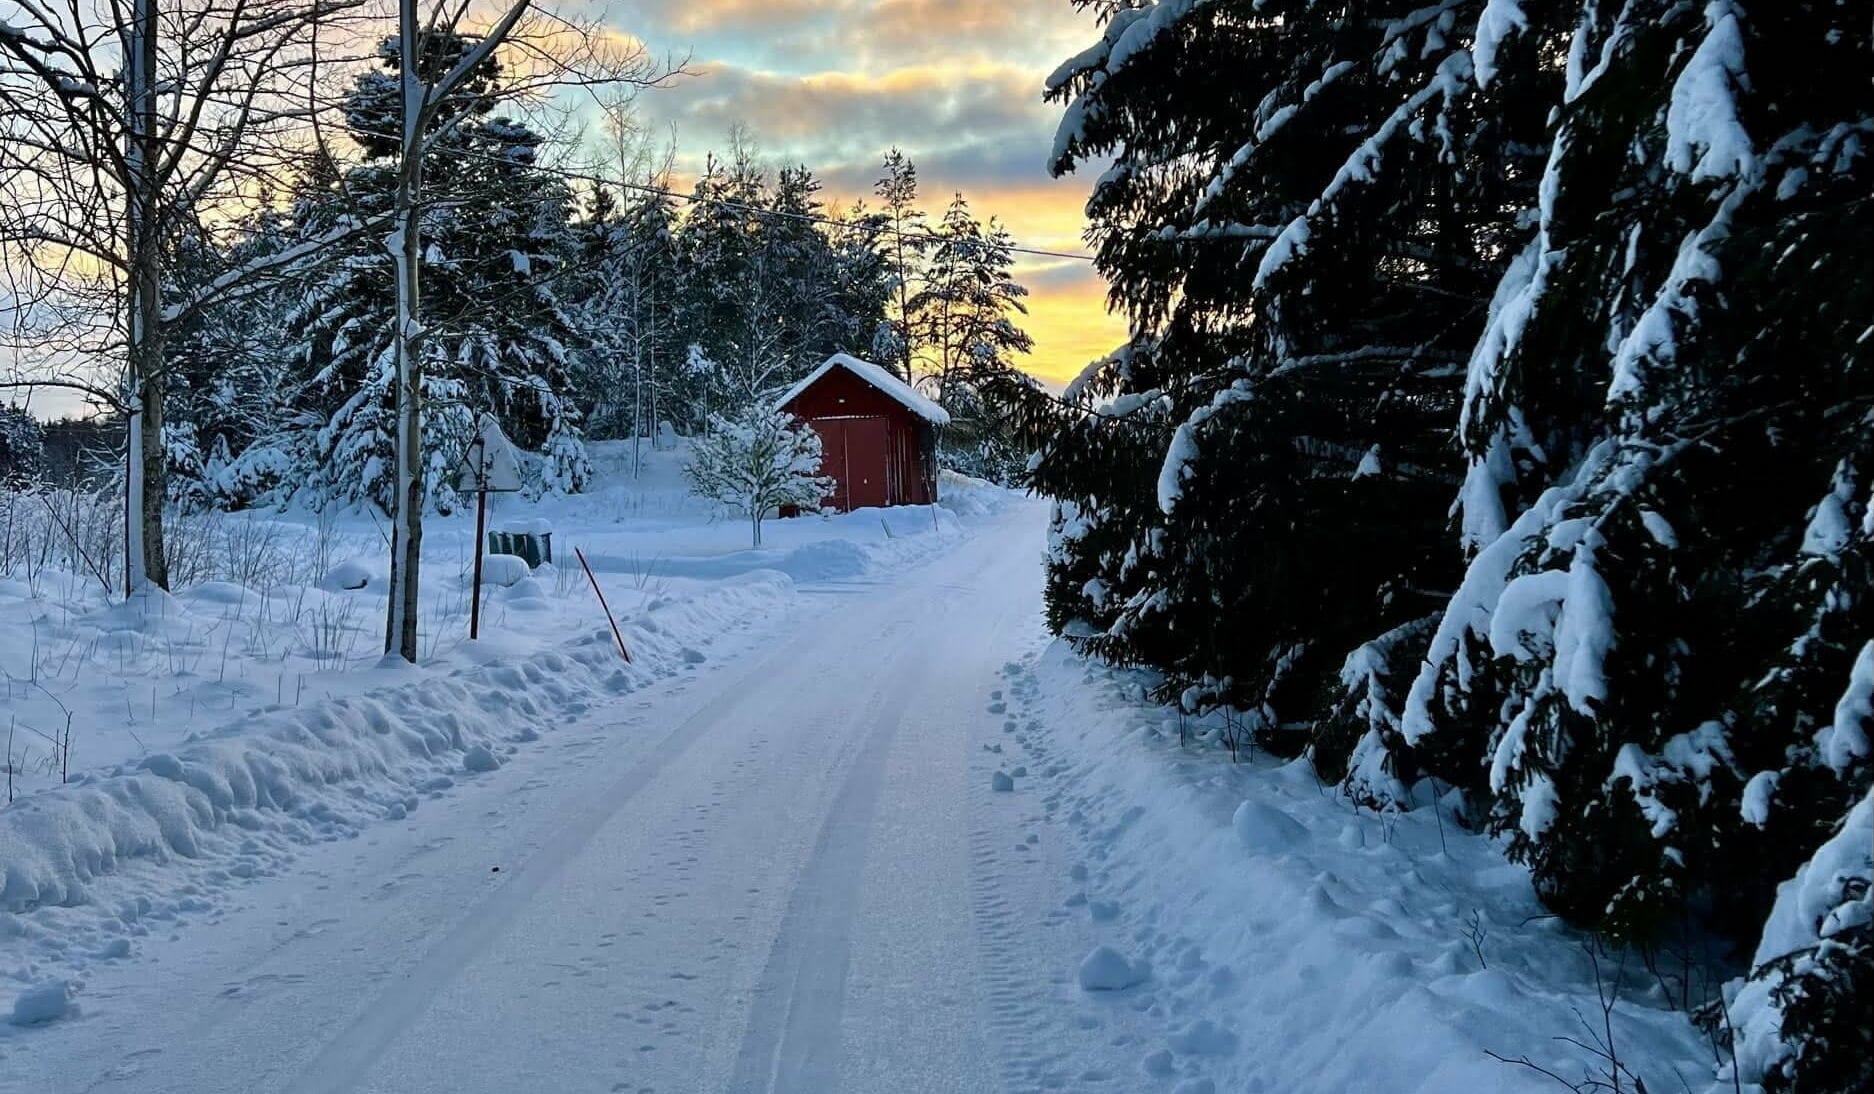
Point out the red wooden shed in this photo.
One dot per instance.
(878, 436)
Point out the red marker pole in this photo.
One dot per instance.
(596, 591)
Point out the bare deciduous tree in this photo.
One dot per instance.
(558, 54)
(121, 127)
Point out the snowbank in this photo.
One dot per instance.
(239, 798)
(968, 496)
(1296, 944)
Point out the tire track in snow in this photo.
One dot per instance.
(345, 1061)
(792, 1041)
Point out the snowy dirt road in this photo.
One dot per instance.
(771, 875)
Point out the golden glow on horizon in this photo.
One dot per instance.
(956, 84)
(1070, 329)
(1067, 314)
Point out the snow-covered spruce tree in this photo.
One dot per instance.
(756, 462)
(229, 364)
(1667, 426)
(495, 231)
(22, 448)
(861, 281)
(963, 331)
(719, 244)
(1308, 207)
(903, 231)
(626, 302)
(1800, 1022)
(799, 259)
(769, 291)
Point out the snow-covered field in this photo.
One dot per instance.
(273, 624)
(848, 821)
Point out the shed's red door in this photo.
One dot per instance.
(833, 460)
(866, 455)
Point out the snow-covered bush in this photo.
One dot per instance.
(757, 462)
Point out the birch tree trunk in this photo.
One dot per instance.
(406, 545)
(637, 366)
(145, 489)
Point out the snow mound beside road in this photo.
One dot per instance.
(1106, 969)
(47, 1002)
(1269, 913)
(84, 865)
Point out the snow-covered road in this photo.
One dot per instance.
(783, 865)
(758, 878)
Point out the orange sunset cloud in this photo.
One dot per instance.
(956, 84)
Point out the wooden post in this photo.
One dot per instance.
(481, 524)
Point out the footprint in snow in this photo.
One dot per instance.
(1203, 1038)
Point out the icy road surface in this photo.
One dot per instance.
(758, 881)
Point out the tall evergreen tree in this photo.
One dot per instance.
(905, 224)
(228, 368)
(1668, 434)
(728, 309)
(627, 311)
(22, 448)
(962, 324)
(797, 259)
(769, 288)
(497, 333)
(1613, 247)
(1307, 210)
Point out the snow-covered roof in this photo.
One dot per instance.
(879, 378)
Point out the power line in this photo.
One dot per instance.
(880, 229)
(807, 218)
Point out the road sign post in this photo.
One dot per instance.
(488, 467)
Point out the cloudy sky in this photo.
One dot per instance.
(955, 83)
